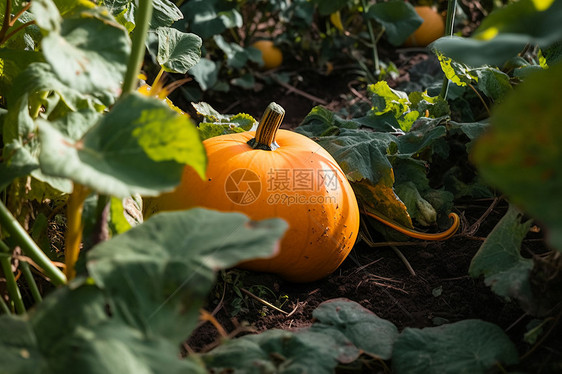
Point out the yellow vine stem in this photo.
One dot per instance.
(420, 235)
(74, 227)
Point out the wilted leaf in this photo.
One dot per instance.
(469, 346)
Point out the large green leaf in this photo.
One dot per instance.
(276, 351)
(398, 18)
(469, 346)
(150, 283)
(18, 347)
(367, 331)
(77, 332)
(500, 262)
(158, 274)
(521, 153)
(505, 33)
(141, 146)
(88, 51)
(177, 51)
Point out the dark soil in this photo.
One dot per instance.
(439, 292)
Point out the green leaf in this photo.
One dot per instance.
(278, 351)
(18, 346)
(386, 100)
(368, 332)
(206, 73)
(205, 21)
(215, 123)
(146, 155)
(469, 346)
(164, 13)
(457, 72)
(398, 18)
(418, 208)
(236, 56)
(500, 262)
(12, 63)
(521, 154)
(177, 51)
(47, 15)
(89, 52)
(505, 32)
(79, 319)
(118, 222)
(323, 122)
(158, 274)
(361, 154)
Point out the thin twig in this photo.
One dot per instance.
(404, 260)
(264, 302)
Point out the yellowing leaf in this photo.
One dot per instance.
(335, 18)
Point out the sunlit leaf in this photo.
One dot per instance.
(89, 52)
(177, 51)
(141, 146)
(388, 100)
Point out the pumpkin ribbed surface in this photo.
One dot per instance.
(298, 181)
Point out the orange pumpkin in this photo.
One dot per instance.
(432, 28)
(277, 173)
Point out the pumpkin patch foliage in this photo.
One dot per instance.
(141, 225)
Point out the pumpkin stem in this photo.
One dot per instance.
(267, 128)
(420, 235)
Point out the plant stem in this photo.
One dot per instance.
(74, 228)
(24, 266)
(373, 41)
(29, 247)
(449, 23)
(142, 19)
(3, 307)
(26, 270)
(267, 128)
(12, 285)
